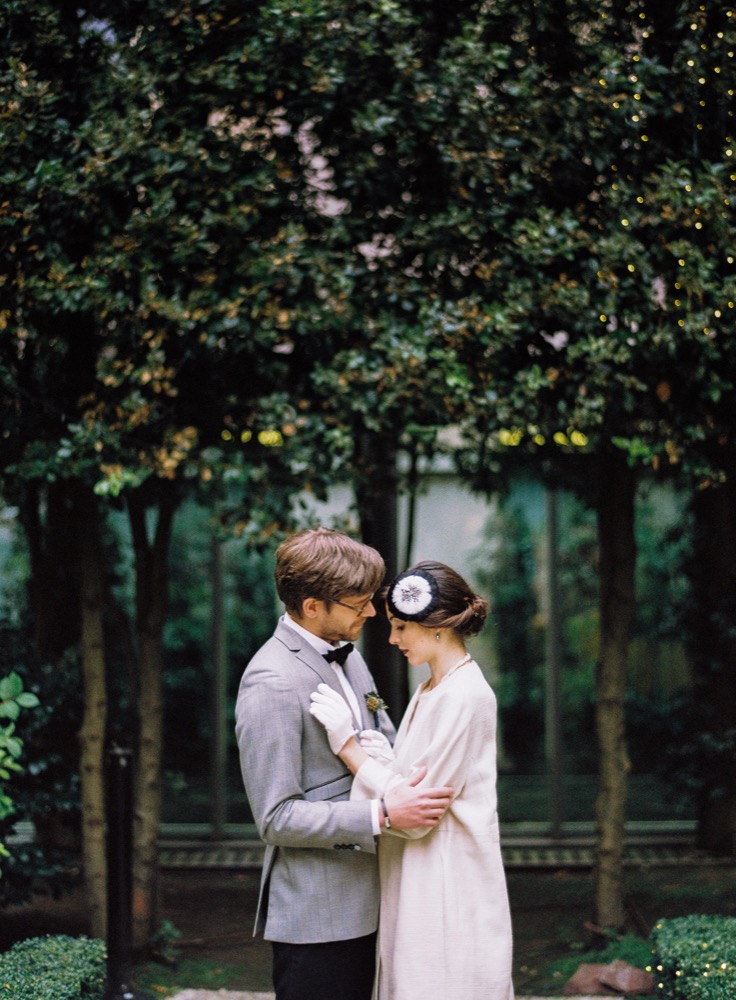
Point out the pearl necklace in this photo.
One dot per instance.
(461, 663)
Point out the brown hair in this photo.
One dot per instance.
(458, 607)
(325, 564)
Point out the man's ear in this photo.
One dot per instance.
(311, 607)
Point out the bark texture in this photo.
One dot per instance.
(151, 562)
(93, 731)
(713, 655)
(617, 567)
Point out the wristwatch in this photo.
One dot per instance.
(386, 817)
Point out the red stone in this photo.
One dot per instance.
(627, 979)
(586, 981)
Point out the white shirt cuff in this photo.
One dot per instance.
(376, 817)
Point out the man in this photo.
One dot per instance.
(319, 890)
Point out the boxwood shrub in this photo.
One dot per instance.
(54, 968)
(695, 957)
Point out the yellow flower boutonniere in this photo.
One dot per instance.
(375, 704)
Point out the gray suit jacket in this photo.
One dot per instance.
(320, 874)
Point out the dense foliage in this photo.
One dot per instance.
(12, 700)
(248, 247)
(54, 968)
(695, 957)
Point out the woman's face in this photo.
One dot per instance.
(416, 642)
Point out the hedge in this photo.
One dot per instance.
(54, 968)
(695, 958)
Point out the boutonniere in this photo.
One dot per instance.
(375, 704)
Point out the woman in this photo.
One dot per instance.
(445, 926)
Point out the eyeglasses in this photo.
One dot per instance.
(359, 610)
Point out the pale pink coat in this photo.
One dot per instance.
(445, 926)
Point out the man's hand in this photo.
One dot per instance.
(410, 807)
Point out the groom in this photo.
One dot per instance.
(319, 894)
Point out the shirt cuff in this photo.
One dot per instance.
(376, 817)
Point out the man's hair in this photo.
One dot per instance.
(327, 565)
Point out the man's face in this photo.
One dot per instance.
(344, 620)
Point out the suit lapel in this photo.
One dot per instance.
(355, 676)
(307, 655)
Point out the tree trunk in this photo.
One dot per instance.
(51, 524)
(151, 561)
(376, 490)
(53, 548)
(92, 734)
(617, 566)
(714, 662)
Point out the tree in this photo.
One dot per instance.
(605, 291)
(268, 244)
(545, 195)
(143, 355)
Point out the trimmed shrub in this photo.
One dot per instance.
(54, 968)
(695, 957)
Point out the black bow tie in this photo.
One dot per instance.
(340, 654)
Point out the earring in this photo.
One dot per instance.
(437, 637)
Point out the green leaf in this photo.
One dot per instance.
(10, 686)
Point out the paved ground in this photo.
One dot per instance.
(229, 995)
(220, 995)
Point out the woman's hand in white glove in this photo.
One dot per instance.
(331, 709)
(376, 745)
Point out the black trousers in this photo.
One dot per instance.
(330, 970)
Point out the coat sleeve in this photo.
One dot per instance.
(373, 780)
(456, 733)
(289, 810)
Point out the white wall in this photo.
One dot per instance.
(449, 528)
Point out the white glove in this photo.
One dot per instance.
(376, 745)
(331, 709)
